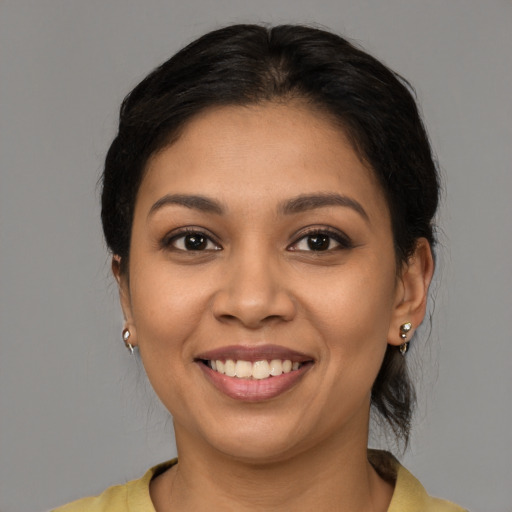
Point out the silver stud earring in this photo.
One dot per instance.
(404, 331)
(126, 337)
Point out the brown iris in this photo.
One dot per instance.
(318, 242)
(195, 242)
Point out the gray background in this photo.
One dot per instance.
(76, 412)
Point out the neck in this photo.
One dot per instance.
(335, 475)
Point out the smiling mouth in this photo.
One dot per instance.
(254, 373)
(253, 370)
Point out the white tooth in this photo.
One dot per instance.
(213, 365)
(243, 369)
(276, 367)
(229, 368)
(220, 366)
(287, 366)
(295, 365)
(261, 370)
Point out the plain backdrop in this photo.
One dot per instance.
(77, 414)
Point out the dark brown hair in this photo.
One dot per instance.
(248, 64)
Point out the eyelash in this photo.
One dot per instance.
(169, 240)
(341, 239)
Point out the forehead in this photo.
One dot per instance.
(255, 154)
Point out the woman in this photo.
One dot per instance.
(269, 201)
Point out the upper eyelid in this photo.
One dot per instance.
(332, 232)
(187, 230)
(343, 241)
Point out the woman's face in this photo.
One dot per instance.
(262, 242)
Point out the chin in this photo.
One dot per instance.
(257, 441)
(261, 452)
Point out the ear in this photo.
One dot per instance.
(124, 296)
(412, 292)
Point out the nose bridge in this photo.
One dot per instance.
(253, 291)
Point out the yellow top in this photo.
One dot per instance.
(408, 496)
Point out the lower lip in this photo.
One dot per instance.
(254, 390)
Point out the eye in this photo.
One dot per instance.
(190, 241)
(321, 241)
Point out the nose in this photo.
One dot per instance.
(254, 292)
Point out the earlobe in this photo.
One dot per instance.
(412, 294)
(125, 300)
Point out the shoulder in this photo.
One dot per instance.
(114, 499)
(409, 495)
(132, 496)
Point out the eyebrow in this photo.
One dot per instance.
(304, 203)
(195, 202)
(298, 204)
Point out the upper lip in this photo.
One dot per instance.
(253, 353)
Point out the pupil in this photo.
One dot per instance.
(195, 242)
(318, 242)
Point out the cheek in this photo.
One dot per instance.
(354, 311)
(167, 307)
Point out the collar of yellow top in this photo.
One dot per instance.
(409, 495)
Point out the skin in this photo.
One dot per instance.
(257, 281)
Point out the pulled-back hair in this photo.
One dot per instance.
(250, 64)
